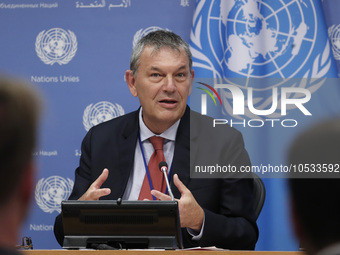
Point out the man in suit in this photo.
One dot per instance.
(19, 112)
(315, 195)
(215, 212)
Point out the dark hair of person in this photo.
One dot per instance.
(19, 113)
(317, 200)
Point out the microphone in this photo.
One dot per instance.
(163, 166)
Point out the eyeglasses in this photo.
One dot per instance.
(26, 244)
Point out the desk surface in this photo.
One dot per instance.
(151, 252)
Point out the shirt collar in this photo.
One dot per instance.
(146, 133)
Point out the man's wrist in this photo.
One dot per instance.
(197, 235)
(198, 226)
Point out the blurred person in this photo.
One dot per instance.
(315, 195)
(19, 114)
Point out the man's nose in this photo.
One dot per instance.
(170, 83)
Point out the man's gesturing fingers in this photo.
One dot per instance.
(191, 213)
(95, 192)
(159, 195)
(180, 186)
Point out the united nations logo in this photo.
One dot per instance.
(51, 191)
(141, 33)
(334, 36)
(56, 46)
(101, 112)
(258, 39)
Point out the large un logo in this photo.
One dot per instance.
(56, 46)
(51, 191)
(258, 39)
(101, 112)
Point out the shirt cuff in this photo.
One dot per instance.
(196, 236)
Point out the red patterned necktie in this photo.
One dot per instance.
(157, 177)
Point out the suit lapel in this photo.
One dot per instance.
(181, 160)
(126, 146)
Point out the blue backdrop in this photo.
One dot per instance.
(76, 52)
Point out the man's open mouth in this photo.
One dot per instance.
(169, 101)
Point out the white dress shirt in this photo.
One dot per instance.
(137, 175)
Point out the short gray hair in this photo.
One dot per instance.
(158, 39)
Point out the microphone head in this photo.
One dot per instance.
(162, 164)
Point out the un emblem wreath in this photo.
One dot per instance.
(56, 46)
(51, 191)
(101, 112)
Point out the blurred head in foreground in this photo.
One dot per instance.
(19, 114)
(315, 191)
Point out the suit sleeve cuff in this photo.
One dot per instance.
(196, 236)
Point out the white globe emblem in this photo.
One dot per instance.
(262, 35)
(101, 112)
(143, 32)
(334, 36)
(258, 39)
(51, 191)
(56, 46)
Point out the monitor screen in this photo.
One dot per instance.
(116, 224)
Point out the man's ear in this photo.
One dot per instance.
(131, 82)
(27, 183)
(192, 80)
(25, 189)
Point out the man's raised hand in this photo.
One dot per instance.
(95, 192)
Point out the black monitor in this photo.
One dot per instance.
(116, 224)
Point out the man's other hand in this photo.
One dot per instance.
(191, 214)
(95, 192)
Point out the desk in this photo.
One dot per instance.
(146, 252)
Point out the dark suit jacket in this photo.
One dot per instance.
(229, 218)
